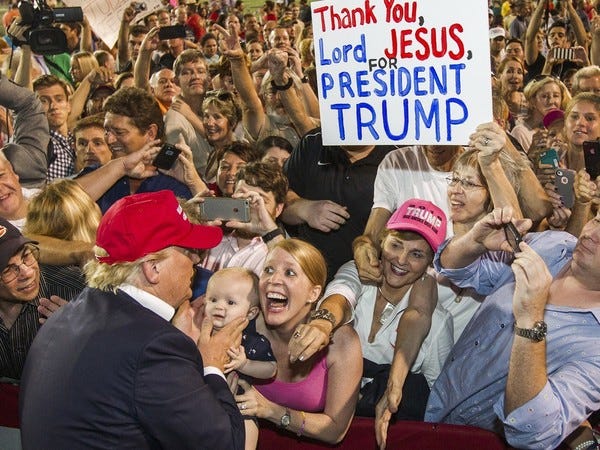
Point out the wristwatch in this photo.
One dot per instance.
(537, 333)
(285, 420)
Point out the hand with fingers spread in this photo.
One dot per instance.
(238, 359)
(213, 347)
(230, 42)
(49, 306)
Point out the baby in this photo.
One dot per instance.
(233, 293)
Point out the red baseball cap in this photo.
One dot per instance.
(140, 224)
(422, 217)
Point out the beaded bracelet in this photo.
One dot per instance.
(301, 430)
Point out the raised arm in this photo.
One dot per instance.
(141, 68)
(577, 25)
(85, 44)
(490, 140)
(97, 77)
(531, 48)
(253, 115)
(533, 200)
(123, 55)
(285, 84)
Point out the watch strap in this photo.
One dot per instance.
(272, 235)
(536, 334)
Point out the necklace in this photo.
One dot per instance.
(387, 311)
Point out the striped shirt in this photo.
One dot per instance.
(64, 281)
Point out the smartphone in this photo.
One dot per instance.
(564, 180)
(563, 53)
(549, 157)
(166, 157)
(591, 154)
(513, 236)
(171, 32)
(225, 208)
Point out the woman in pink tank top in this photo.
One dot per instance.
(314, 397)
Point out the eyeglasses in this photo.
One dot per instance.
(29, 256)
(465, 184)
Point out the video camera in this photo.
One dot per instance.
(42, 37)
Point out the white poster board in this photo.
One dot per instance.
(105, 16)
(396, 72)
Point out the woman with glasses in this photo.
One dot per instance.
(543, 94)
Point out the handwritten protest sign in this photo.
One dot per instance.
(392, 71)
(105, 15)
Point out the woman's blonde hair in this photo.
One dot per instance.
(308, 257)
(108, 277)
(534, 86)
(87, 62)
(65, 211)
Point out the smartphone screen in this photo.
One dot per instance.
(549, 157)
(591, 154)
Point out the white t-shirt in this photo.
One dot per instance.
(405, 173)
(435, 347)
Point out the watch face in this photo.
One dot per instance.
(285, 420)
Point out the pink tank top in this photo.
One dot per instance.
(304, 395)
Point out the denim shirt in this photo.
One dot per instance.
(470, 389)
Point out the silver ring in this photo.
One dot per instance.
(486, 141)
(296, 334)
(243, 406)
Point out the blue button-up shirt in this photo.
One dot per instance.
(470, 389)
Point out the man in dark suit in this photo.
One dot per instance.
(108, 370)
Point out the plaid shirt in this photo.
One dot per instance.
(61, 156)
